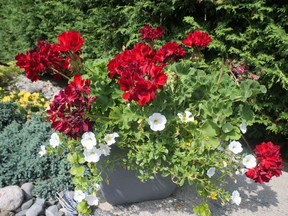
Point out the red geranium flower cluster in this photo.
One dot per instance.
(197, 38)
(68, 110)
(45, 56)
(150, 34)
(269, 163)
(139, 75)
(171, 51)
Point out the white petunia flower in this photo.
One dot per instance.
(97, 187)
(92, 200)
(243, 127)
(79, 195)
(105, 149)
(54, 140)
(187, 117)
(236, 197)
(157, 122)
(88, 140)
(211, 171)
(42, 151)
(235, 147)
(249, 161)
(110, 138)
(92, 155)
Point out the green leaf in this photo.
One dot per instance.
(77, 170)
(202, 210)
(123, 116)
(209, 128)
(72, 158)
(246, 114)
(227, 127)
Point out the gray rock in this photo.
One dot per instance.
(22, 213)
(51, 211)
(40, 201)
(27, 204)
(48, 88)
(34, 210)
(6, 213)
(60, 213)
(11, 197)
(27, 189)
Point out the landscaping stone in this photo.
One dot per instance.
(27, 204)
(6, 213)
(51, 211)
(34, 210)
(27, 188)
(11, 197)
(22, 213)
(48, 88)
(40, 201)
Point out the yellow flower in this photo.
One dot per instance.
(21, 93)
(213, 195)
(36, 95)
(6, 98)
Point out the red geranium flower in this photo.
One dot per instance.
(39, 60)
(70, 40)
(269, 163)
(170, 51)
(68, 110)
(150, 34)
(197, 38)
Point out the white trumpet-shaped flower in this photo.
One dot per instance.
(42, 151)
(110, 138)
(249, 161)
(157, 122)
(54, 140)
(92, 200)
(187, 117)
(211, 172)
(105, 149)
(79, 195)
(92, 155)
(235, 147)
(236, 198)
(88, 140)
(243, 127)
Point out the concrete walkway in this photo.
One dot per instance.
(270, 199)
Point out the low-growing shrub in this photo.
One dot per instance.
(20, 161)
(10, 112)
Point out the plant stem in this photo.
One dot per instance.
(248, 145)
(60, 73)
(221, 72)
(88, 68)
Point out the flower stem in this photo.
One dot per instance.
(88, 68)
(221, 72)
(60, 73)
(247, 144)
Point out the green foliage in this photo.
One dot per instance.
(20, 161)
(10, 112)
(8, 73)
(254, 32)
(106, 25)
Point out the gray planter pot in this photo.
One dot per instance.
(124, 187)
